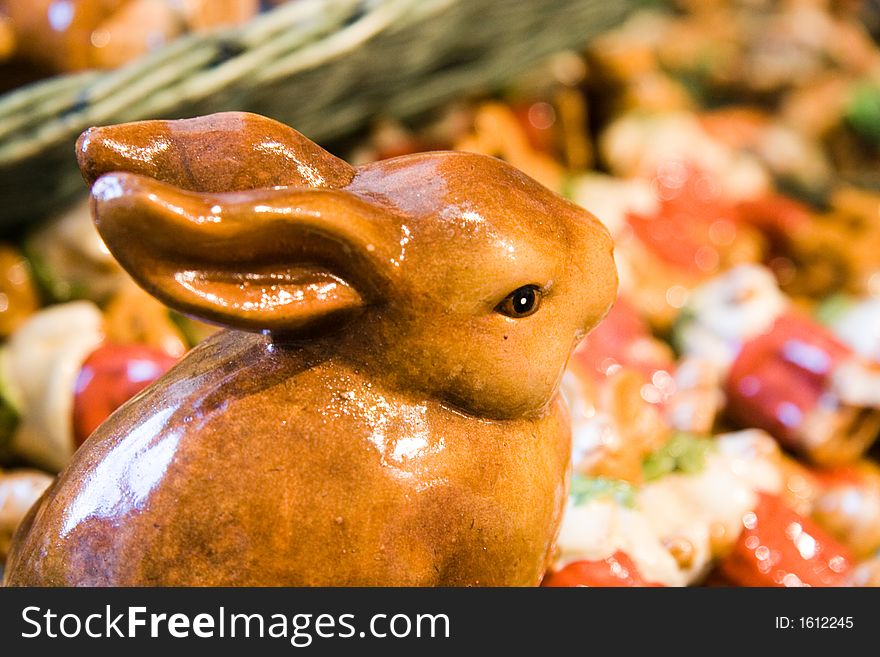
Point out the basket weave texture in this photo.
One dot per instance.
(325, 67)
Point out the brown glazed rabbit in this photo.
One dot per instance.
(384, 407)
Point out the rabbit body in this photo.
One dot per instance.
(345, 482)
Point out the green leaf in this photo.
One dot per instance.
(833, 308)
(863, 112)
(585, 489)
(683, 453)
(569, 187)
(686, 316)
(9, 419)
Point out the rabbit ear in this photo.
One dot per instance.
(284, 260)
(219, 152)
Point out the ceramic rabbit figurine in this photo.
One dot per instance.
(384, 408)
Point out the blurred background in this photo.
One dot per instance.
(724, 415)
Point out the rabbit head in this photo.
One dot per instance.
(451, 274)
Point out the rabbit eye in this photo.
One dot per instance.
(522, 302)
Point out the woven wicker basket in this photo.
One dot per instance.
(323, 66)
